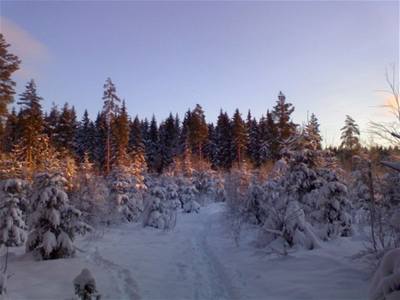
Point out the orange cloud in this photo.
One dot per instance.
(31, 51)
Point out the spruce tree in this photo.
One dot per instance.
(54, 221)
(31, 124)
(51, 122)
(253, 142)
(152, 147)
(121, 137)
(269, 139)
(239, 136)
(85, 138)
(135, 144)
(198, 130)
(350, 135)
(224, 142)
(169, 136)
(11, 131)
(312, 133)
(66, 130)
(101, 140)
(281, 114)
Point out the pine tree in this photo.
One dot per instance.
(110, 111)
(9, 63)
(239, 136)
(281, 114)
(350, 136)
(31, 125)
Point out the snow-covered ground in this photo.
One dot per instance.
(196, 260)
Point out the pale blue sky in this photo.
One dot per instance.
(327, 57)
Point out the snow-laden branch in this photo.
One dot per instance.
(392, 165)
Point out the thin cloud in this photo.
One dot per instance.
(31, 51)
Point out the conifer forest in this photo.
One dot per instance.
(252, 205)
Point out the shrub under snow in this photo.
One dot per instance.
(12, 220)
(159, 212)
(126, 198)
(85, 286)
(385, 284)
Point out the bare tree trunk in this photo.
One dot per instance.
(372, 205)
(108, 151)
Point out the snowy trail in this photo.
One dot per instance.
(197, 260)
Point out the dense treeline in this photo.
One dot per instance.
(33, 140)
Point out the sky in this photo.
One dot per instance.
(327, 57)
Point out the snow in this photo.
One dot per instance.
(385, 284)
(198, 259)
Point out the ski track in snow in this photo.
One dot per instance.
(212, 281)
(127, 286)
(198, 260)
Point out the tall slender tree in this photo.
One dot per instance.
(110, 111)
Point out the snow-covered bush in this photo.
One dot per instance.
(159, 212)
(3, 286)
(284, 219)
(91, 197)
(53, 221)
(302, 202)
(85, 286)
(12, 219)
(188, 194)
(385, 284)
(126, 198)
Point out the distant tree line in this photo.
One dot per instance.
(32, 137)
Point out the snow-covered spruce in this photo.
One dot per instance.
(302, 202)
(385, 284)
(91, 197)
(284, 219)
(12, 219)
(85, 286)
(126, 198)
(188, 195)
(53, 221)
(159, 212)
